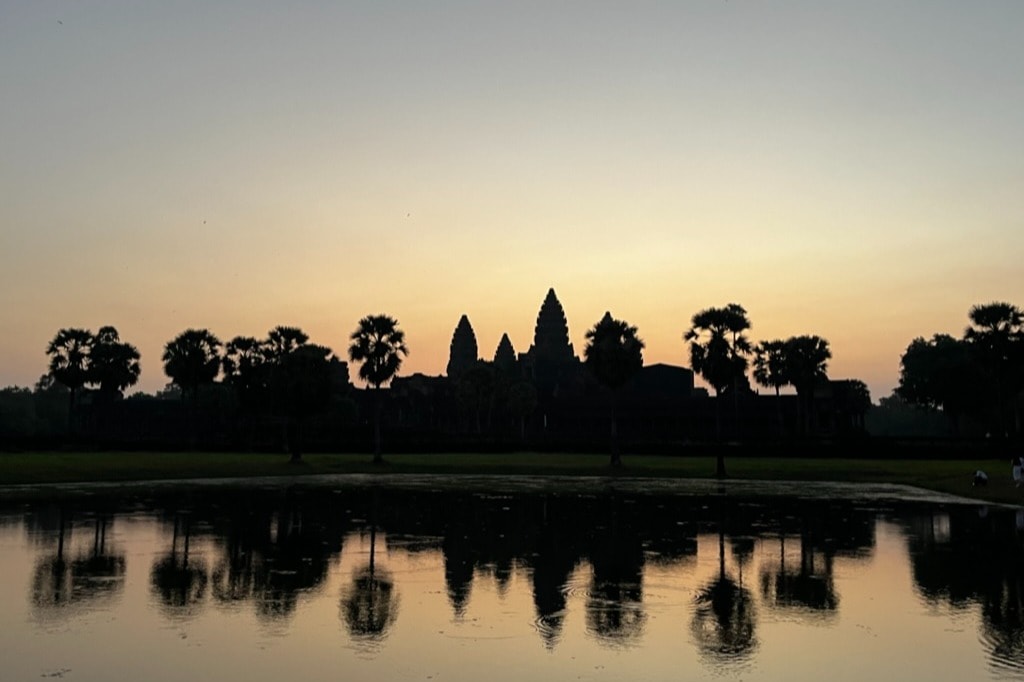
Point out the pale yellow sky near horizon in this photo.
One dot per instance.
(851, 170)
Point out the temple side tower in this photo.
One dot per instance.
(505, 356)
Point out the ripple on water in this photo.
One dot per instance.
(549, 627)
(1006, 651)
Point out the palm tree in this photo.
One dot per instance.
(807, 359)
(301, 385)
(614, 353)
(244, 362)
(114, 363)
(770, 370)
(282, 340)
(996, 337)
(718, 350)
(379, 345)
(69, 363)
(940, 373)
(192, 359)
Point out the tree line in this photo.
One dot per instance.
(282, 375)
(975, 380)
(286, 378)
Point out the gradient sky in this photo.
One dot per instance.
(848, 169)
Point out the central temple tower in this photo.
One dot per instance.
(551, 357)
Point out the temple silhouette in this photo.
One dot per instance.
(543, 398)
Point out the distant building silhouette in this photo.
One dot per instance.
(463, 352)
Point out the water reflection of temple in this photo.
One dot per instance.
(268, 552)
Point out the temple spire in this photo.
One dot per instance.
(505, 355)
(463, 351)
(551, 335)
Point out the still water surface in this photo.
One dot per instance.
(385, 583)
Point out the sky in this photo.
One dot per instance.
(853, 170)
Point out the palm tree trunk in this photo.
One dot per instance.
(378, 406)
(778, 412)
(616, 460)
(71, 412)
(720, 455)
(295, 442)
(736, 409)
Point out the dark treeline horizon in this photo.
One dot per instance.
(273, 392)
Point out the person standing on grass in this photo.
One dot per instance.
(1018, 470)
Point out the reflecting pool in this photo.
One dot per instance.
(349, 580)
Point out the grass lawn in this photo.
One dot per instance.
(949, 476)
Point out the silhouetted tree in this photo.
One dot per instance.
(770, 371)
(614, 353)
(192, 359)
(245, 368)
(807, 366)
(301, 383)
(855, 400)
(939, 373)
(283, 340)
(69, 363)
(114, 364)
(718, 352)
(996, 338)
(379, 345)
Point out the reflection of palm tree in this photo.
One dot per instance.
(807, 587)
(294, 564)
(179, 581)
(97, 573)
(1003, 620)
(371, 605)
(51, 582)
(615, 602)
(553, 564)
(234, 576)
(724, 618)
